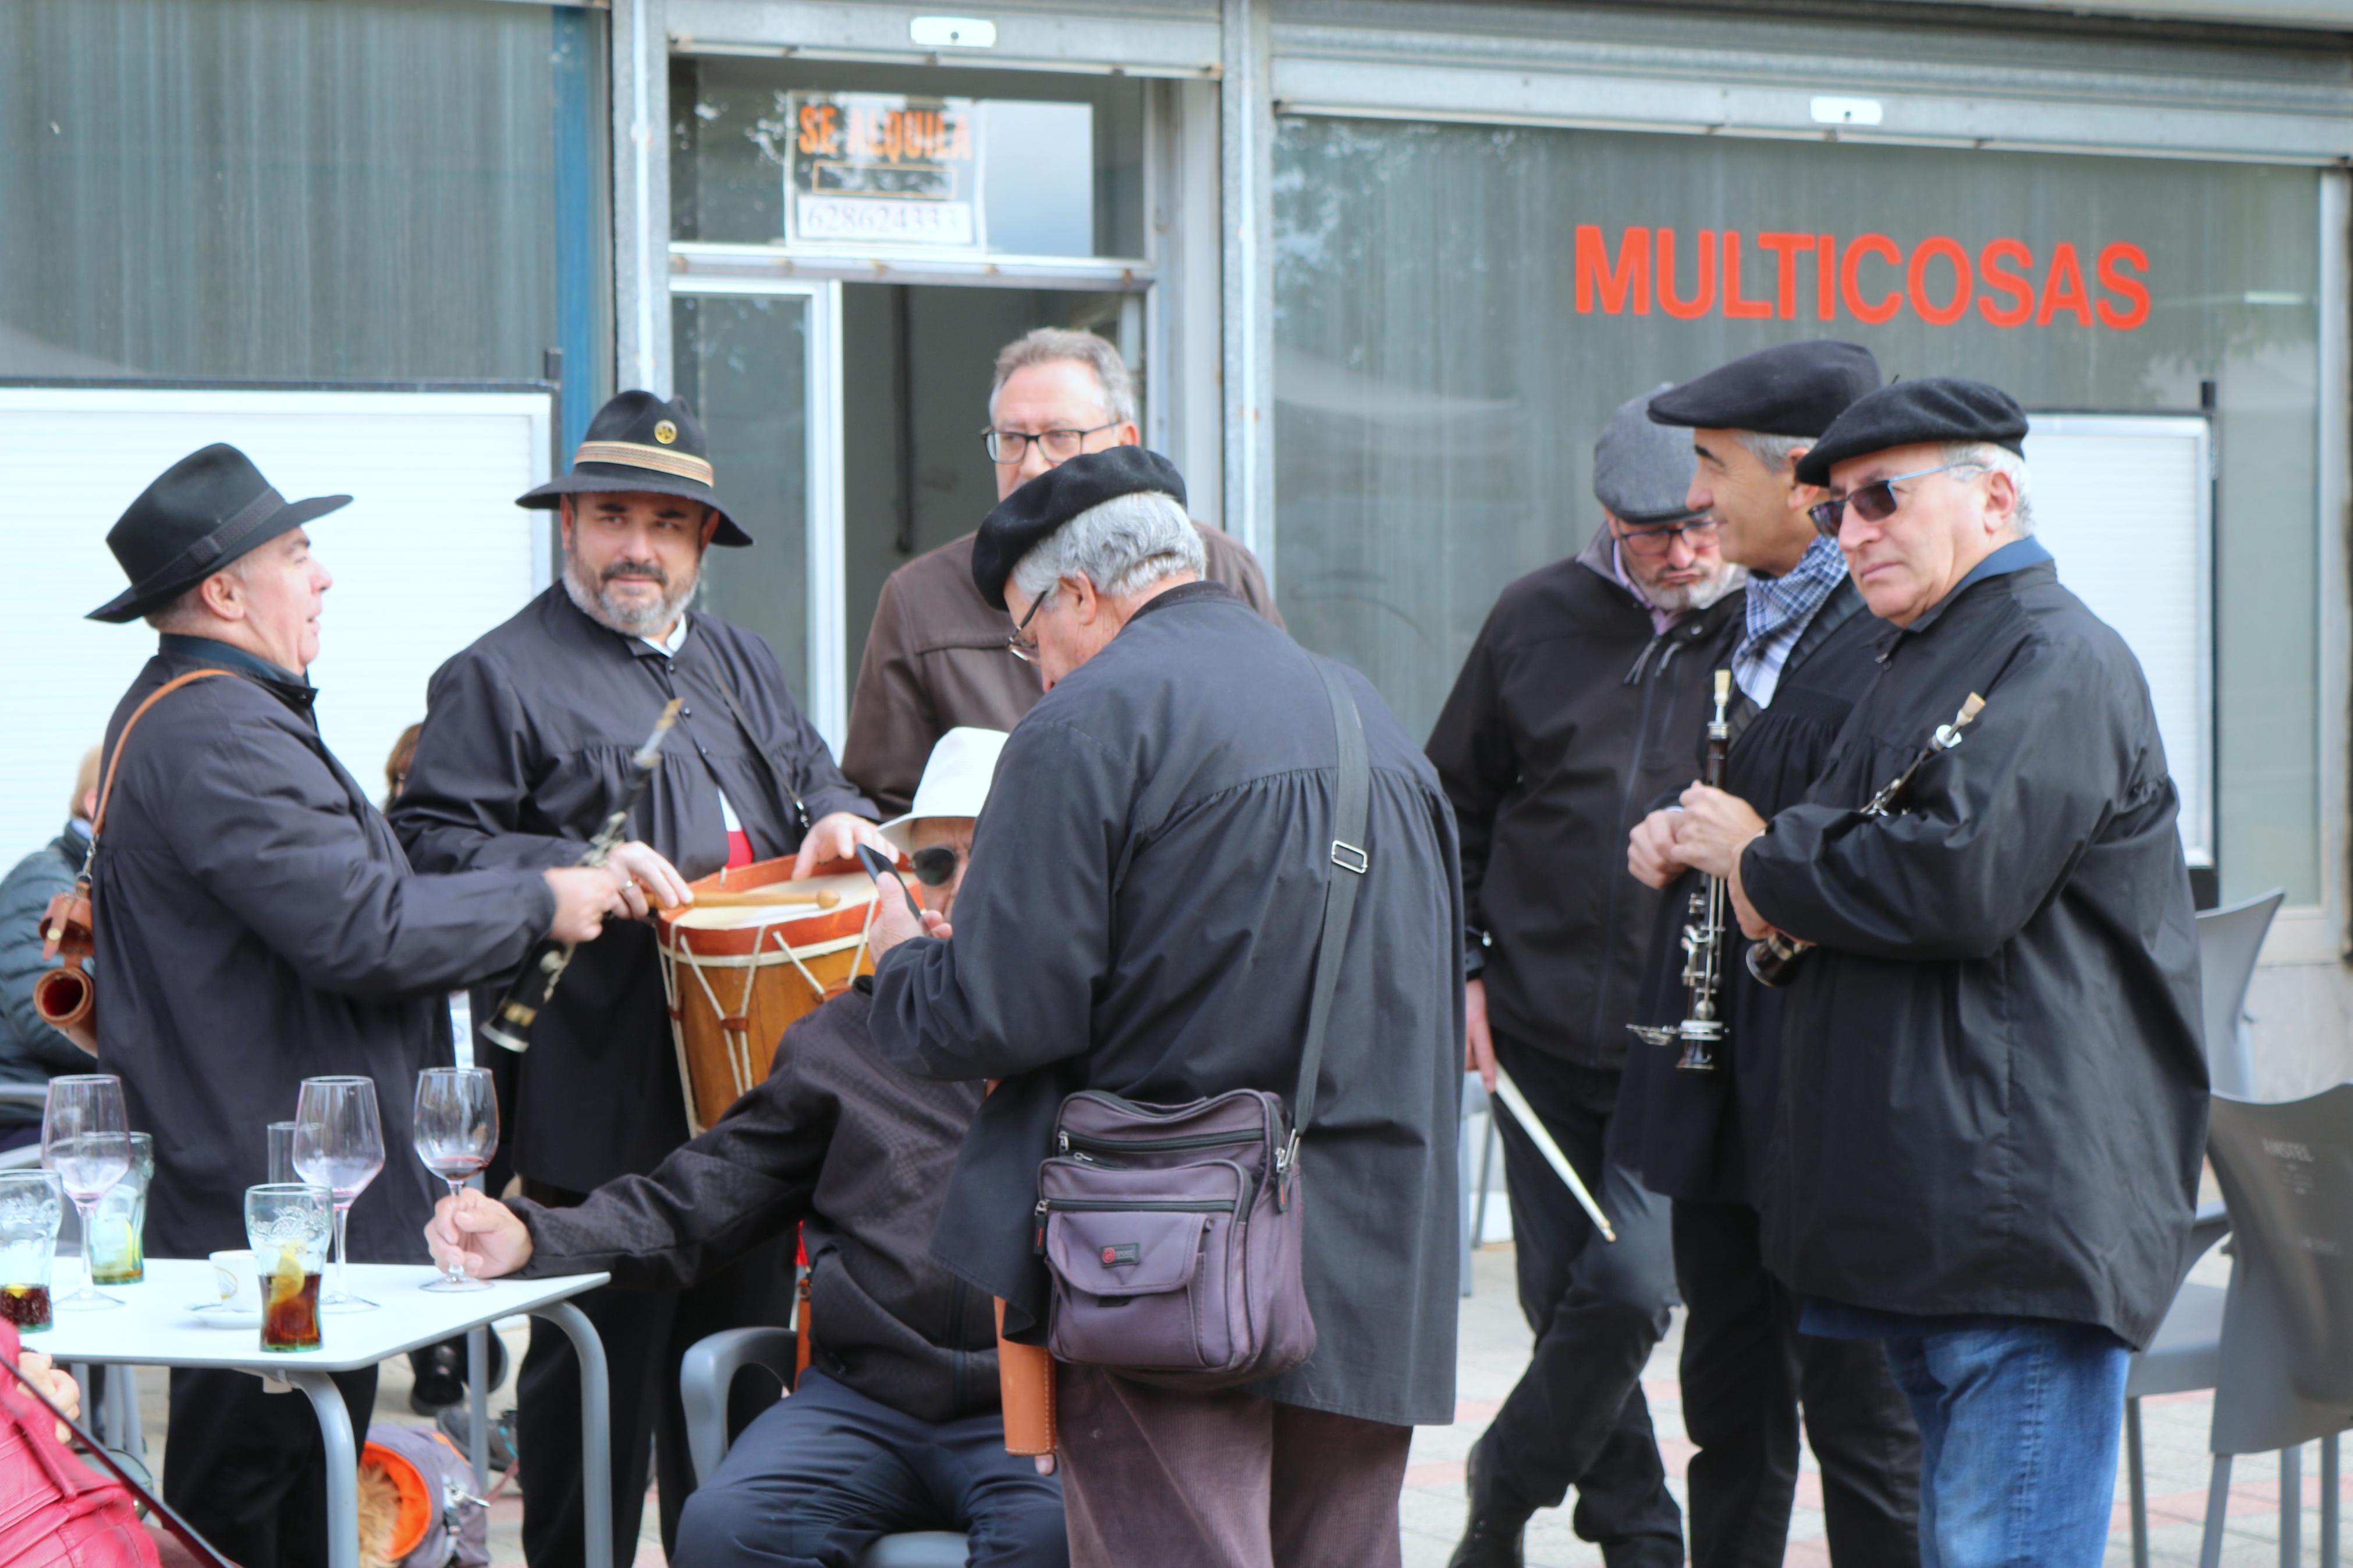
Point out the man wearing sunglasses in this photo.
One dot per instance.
(935, 657)
(1805, 653)
(1575, 708)
(1993, 1101)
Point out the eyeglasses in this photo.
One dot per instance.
(935, 864)
(1874, 502)
(1010, 447)
(1026, 648)
(1651, 542)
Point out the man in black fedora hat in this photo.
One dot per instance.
(527, 738)
(258, 923)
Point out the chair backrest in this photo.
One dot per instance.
(2286, 1171)
(2228, 941)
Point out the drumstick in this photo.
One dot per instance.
(733, 897)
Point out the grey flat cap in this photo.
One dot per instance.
(1641, 469)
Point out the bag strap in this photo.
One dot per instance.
(1350, 803)
(106, 793)
(174, 1525)
(751, 739)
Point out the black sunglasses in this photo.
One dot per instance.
(1874, 502)
(935, 864)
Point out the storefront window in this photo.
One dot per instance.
(1460, 307)
(876, 158)
(303, 189)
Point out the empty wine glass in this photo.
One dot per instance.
(339, 1145)
(85, 1140)
(456, 1131)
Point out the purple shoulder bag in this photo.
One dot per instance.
(1171, 1233)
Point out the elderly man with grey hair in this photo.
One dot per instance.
(935, 658)
(1141, 920)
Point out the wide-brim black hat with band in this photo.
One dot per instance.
(637, 442)
(199, 515)
(1021, 520)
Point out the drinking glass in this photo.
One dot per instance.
(456, 1131)
(85, 1140)
(288, 1225)
(31, 1205)
(281, 1137)
(117, 1249)
(339, 1145)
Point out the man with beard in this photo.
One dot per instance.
(526, 745)
(1575, 708)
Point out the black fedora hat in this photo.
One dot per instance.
(637, 442)
(201, 513)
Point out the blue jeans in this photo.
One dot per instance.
(2020, 1420)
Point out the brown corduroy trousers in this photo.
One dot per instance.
(1223, 1481)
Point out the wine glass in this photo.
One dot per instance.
(456, 1131)
(339, 1145)
(85, 1140)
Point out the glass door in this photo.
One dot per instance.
(760, 360)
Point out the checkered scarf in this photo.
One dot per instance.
(1778, 609)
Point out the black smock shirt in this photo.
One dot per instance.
(1569, 716)
(257, 925)
(1704, 1136)
(1994, 1095)
(1141, 914)
(527, 750)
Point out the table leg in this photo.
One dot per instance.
(595, 1426)
(342, 1467)
(478, 1402)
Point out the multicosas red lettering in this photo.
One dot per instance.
(1866, 277)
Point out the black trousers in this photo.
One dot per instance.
(1745, 1371)
(817, 1478)
(248, 1470)
(1578, 1416)
(646, 1333)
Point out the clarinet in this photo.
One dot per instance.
(510, 1022)
(1704, 931)
(1773, 958)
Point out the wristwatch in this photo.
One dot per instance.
(1475, 943)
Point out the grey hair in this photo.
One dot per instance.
(1993, 460)
(1769, 450)
(1045, 345)
(188, 609)
(1122, 546)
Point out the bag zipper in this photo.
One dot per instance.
(1066, 1142)
(1239, 1206)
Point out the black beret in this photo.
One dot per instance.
(1018, 523)
(1934, 408)
(1790, 389)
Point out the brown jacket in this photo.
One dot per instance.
(936, 659)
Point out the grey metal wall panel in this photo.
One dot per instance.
(1169, 38)
(2335, 15)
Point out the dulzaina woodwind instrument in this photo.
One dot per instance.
(1701, 1029)
(510, 1022)
(1773, 958)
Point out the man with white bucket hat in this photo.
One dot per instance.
(895, 1425)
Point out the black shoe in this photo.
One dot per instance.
(440, 1373)
(457, 1424)
(1491, 1538)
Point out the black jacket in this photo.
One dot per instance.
(1140, 915)
(525, 751)
(1993, 1096)
(30, 1051)
(837, 1140)
(1705, 1135)
(1569, 716)
(258, 924)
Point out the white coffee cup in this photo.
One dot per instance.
(233, 1278)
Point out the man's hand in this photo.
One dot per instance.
(479, 1232)
(892, 923)
(646, 878)
(836, 837)
(584, 895)
(1713, 828)
(1479, 1057)
(1753, 926)
(1651, 849)
(56, 1382)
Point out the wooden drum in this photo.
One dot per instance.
(737, 972)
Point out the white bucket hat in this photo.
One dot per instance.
(955, 783)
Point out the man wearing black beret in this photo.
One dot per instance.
(1574, 709)
(1993, 1104)
(1805, 652)
(1142, 918)
(526, 745)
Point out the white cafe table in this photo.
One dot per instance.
(155, 1326)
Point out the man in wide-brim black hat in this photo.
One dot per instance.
(256, 924)
(527, 738)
